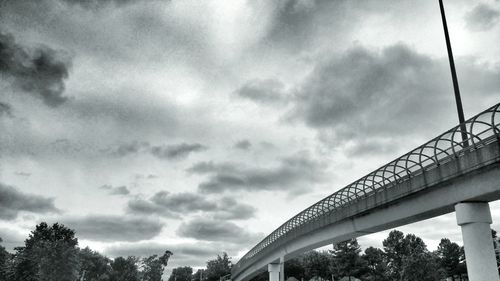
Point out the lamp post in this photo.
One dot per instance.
(458, 99)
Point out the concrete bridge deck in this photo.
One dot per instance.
(425, 182)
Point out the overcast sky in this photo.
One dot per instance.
(201, 126)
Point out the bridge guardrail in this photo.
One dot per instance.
(482, 129)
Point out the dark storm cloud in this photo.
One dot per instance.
(341, 91)
(92, 4)
(268, 91)
(125, 149)
(39, 71)
(176, 205)
(300, 26)
(177, 151)
(12, 202)
(182, 202)
(230, 209)
(114, 228)
(364, 96)
(5, 110)
(118, 190)
(243, 145)
(365, 147)
(482, 18)
(293, 174)
(216, 230)
(166, 152)
(209, 167)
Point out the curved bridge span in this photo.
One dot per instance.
(443, 175)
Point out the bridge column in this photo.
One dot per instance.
(274, 271)
(282, 269)
(475, 219)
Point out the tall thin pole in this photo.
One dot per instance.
(458, 100)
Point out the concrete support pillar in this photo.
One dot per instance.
(475, 219)
(274, 271)
(282, 269)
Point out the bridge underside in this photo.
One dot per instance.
(474, 177)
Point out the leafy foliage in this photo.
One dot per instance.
(93, 266)
(376, 265)
(49, 254)
(450, 257)
(181, 274)
(347, 260)
(4, 258)
(218, 267)
(124, 269)
(153, 266)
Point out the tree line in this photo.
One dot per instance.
(51, 253)
(403, 258)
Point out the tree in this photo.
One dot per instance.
(450, 255)
(408, 258)
(218, 267)
(4, 258)
(93, 266)
(293, 268)
(394, 248)
(198, 275)
(49, 254)
(124, 269)
(376, 265)
(181, 274)
(420, 267)
(316, 264)
(347, 260)
(153, 266)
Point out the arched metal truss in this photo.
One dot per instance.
(481, 130)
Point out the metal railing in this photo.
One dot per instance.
(482, 129)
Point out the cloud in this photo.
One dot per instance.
(482, 18)
(209, 167)
(22, 174)
(12, 202)
(243, 145)
(267, 91)
(5, 110)
(93, 4)
(40, 71)
(230, 209)
(297, 24)
(293, 174)
(11, 238)
(113, 228)
(177, 151)
(365, 97)
(125, 149)
(193, 254)
(167, 152)
(181, 204)
(216, 230)
(118, 190)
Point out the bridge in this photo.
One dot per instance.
(446, 174)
